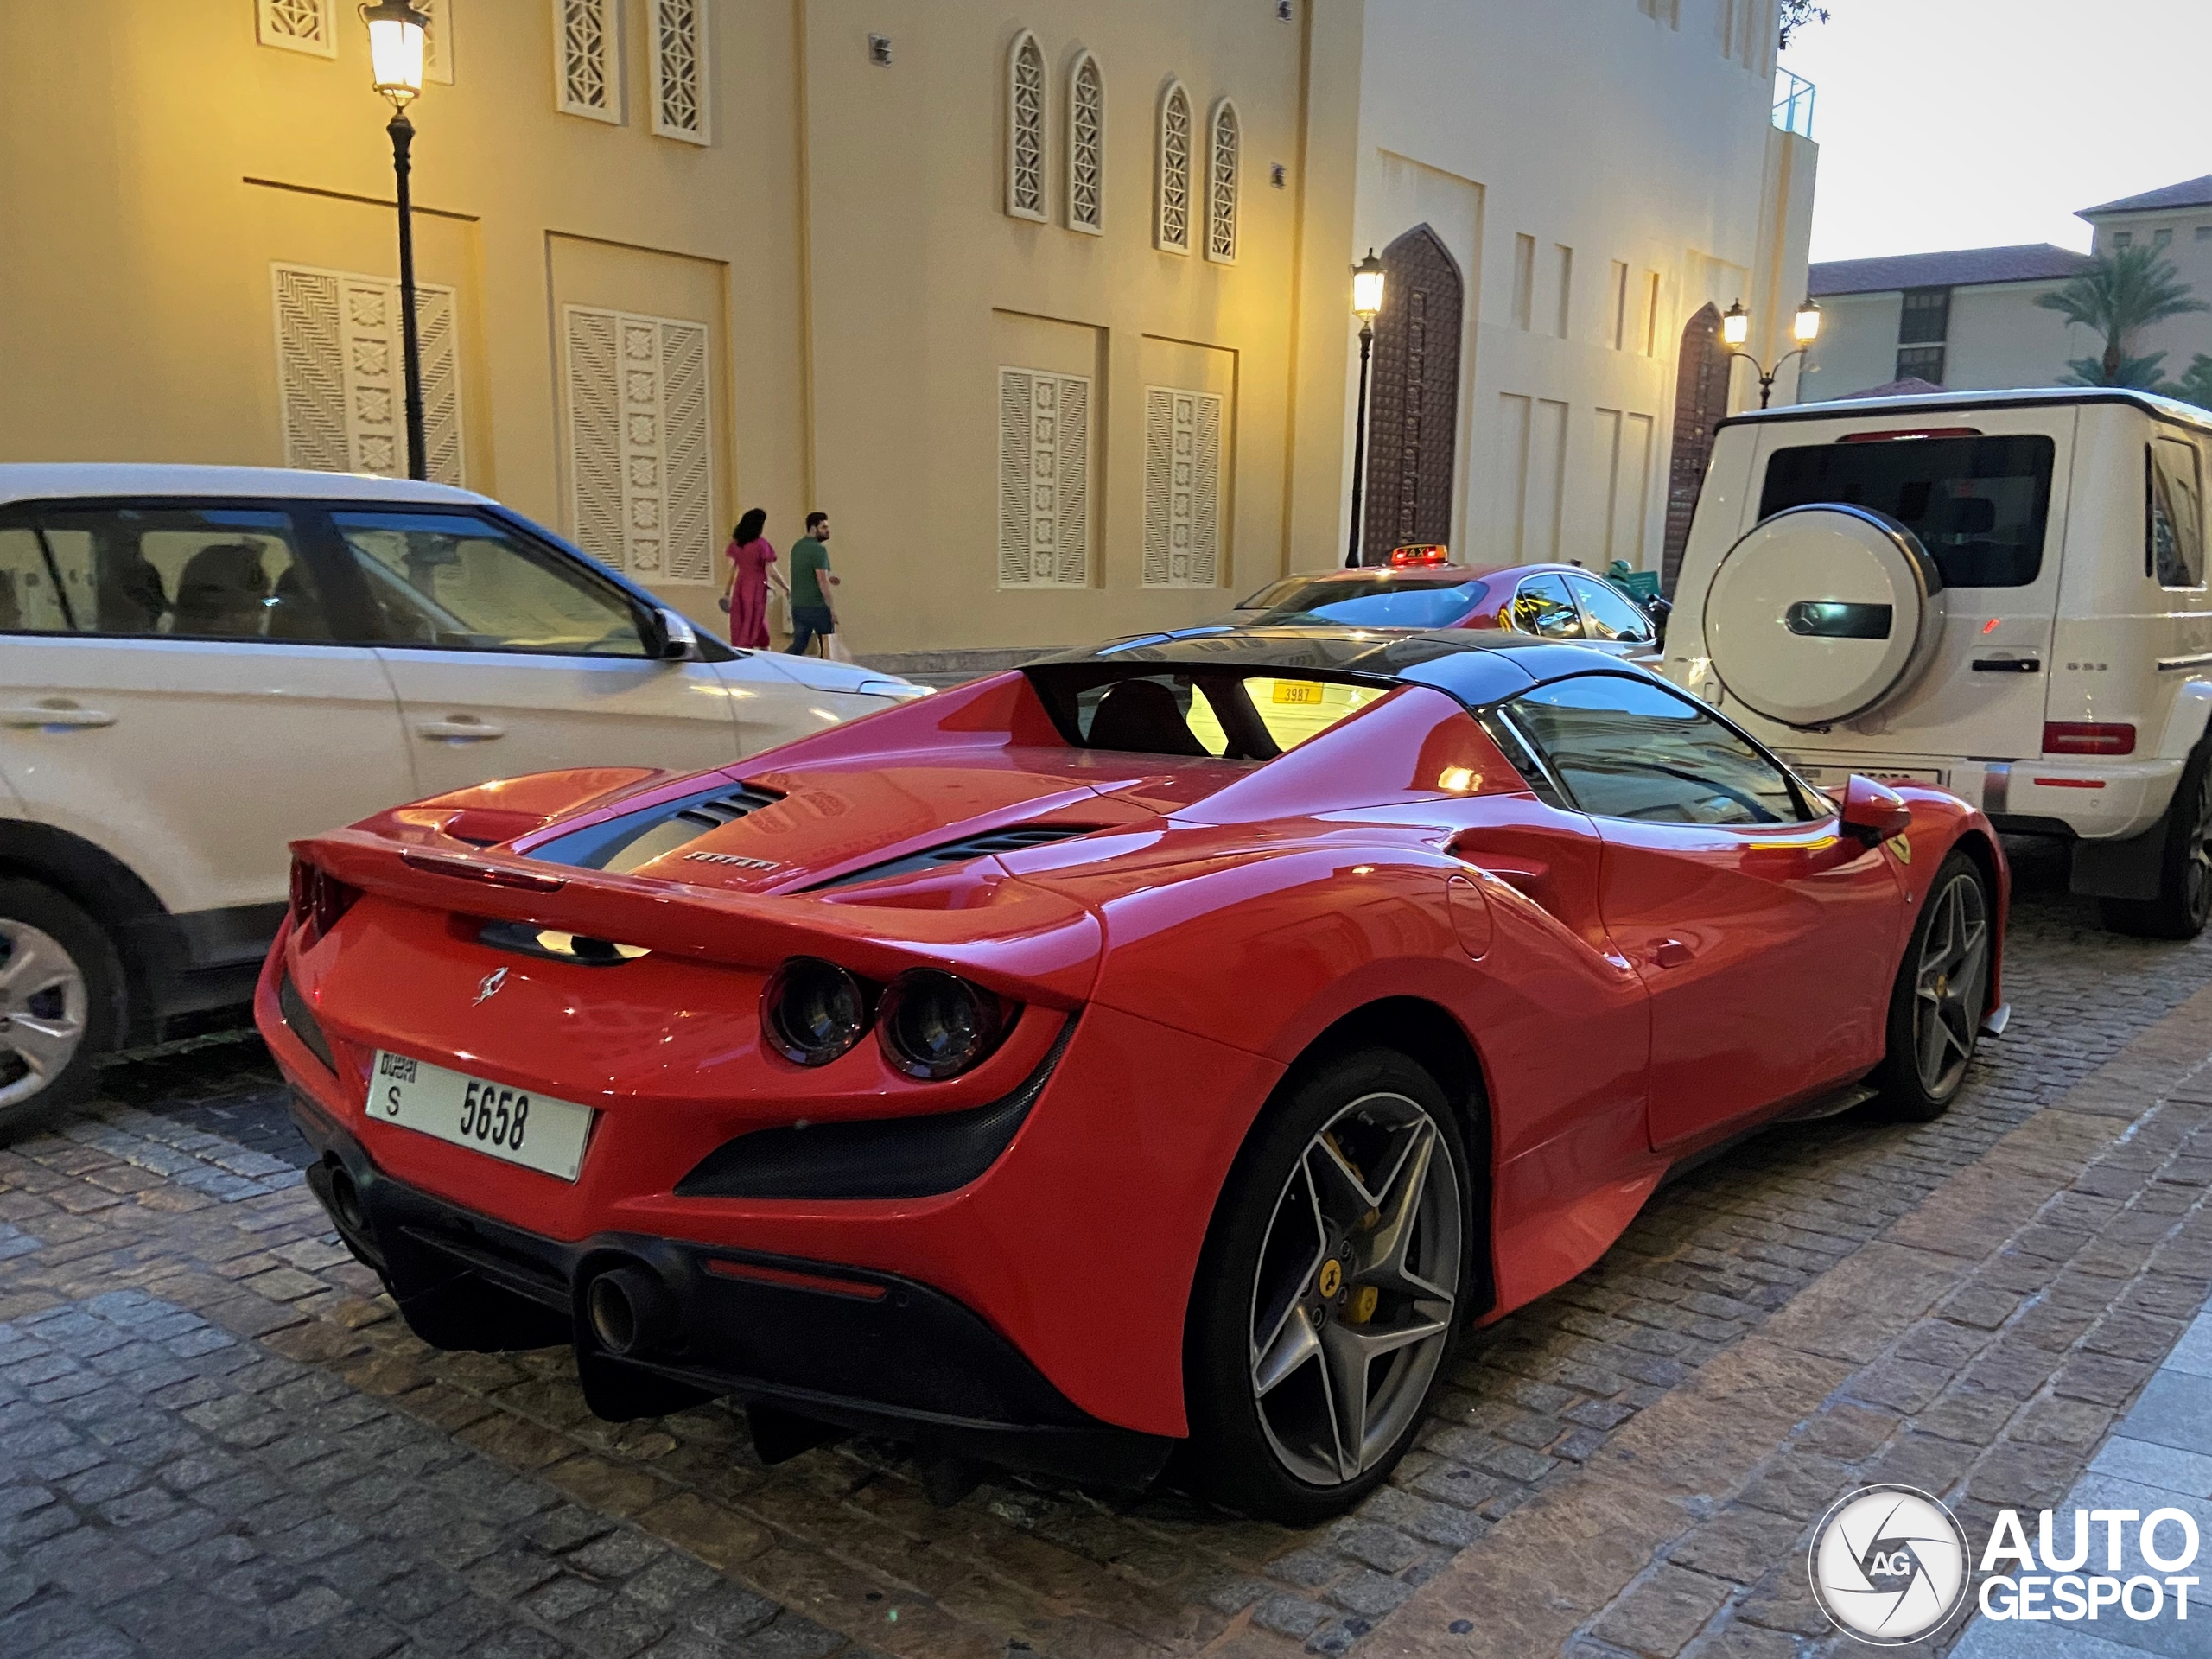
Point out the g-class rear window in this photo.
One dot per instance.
(1978, 504)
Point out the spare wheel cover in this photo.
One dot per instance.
(1823, 613)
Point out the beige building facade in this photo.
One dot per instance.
(680, 258)
(1048, 306)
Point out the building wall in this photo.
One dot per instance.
(843, 238)
(1997, 336)
(2188, 246)
(1857, 348)
(1613, 144)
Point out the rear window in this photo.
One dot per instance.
(1978, 505)
(1377, 602)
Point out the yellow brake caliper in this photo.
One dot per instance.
(1360, 1308)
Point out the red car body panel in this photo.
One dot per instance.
(1218, 919)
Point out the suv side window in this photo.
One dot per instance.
(1629, 748)
(30, 594)
(2173, 529)
(1607, 614)
(458, 581)
(169, 571)
(1543, 607)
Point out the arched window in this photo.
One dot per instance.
(1086, 146)
(1024, 128)
(1225, 138)
(1172, 215)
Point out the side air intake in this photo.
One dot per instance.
(1010, 840)
(622, 844)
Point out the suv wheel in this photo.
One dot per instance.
(59, 979)
(2185, 900)
(1332, 1287)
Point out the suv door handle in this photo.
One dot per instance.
(1670, 953)
(460, 728)
(58, 712)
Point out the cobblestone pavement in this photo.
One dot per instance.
(214, 1437)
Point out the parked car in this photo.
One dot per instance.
(1419, 588)
(2000, 592)
(198, 664)
(1052, 1074)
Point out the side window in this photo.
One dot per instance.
(462, 582)
(30, 600)
(1607, 614)
(203, 573)
(1630, 748)
(1543, 607)
(2173, 553)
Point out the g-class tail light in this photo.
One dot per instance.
(2088, 737)
(319, 899)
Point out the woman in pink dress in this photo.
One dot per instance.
(746, 600)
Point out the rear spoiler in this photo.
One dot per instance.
(1022, 941)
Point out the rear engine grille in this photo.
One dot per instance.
(1010, 840)
(622, 844)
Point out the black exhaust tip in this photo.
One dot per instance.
(346, 1206)
(630, 1310)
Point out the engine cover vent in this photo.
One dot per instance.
(1012, 839)
(623, 844)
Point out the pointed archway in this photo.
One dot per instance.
(1414, 417)
(1701, 403)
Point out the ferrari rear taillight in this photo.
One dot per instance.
(319, 899)
(2088, 737)
(931, 1025)
(813, 1012)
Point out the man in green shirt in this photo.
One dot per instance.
(810, 614)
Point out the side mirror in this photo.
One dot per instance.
(670, 638)
(1872, 812)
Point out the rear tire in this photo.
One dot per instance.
(2185, 900)
(1935, 1006)
(61, 1005)
(1316, 1286)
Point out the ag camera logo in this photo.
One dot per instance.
(1888, 1565)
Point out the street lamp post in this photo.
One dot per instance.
(1366, 304)
(395, 63)
(1736, 328)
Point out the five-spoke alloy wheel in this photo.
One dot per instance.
(1942, 988)
(1334, 1285)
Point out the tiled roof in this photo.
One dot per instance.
(1912, 386)
(2034, 262)
(2191, 193)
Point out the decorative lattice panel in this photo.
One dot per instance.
(341, 386)
(588, 57)
(679, 44)
(641, 442)
(1024, 128)
(1044, 479)
(1182, 488)
(298, 25)
(1171, 218)
(437, 40)
(1086, 190)
(1225, 141)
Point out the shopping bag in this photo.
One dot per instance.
(834, 648)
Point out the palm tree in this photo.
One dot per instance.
(2142, 373)
(2122, 291)
(2195, 384)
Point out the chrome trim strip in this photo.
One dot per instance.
(2169, 664)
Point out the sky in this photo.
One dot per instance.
(1969, 124)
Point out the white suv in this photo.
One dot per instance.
(198, 664)
(2002, 593)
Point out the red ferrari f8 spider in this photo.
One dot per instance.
(1167, 1045)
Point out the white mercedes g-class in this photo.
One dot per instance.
(2002, 593)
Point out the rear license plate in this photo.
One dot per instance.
(510, 1124)
(1825, 775)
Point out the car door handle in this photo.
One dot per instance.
(460, 728)
(57, 712)
(1670, 953)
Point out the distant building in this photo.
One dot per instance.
(1050, 306)
(1967, 319)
